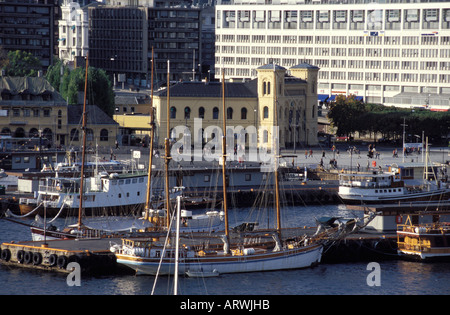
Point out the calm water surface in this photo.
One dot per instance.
(397, 277)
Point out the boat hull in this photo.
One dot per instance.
(424, 196)
(426, 257)
(38, 234)
(285, 259)
(89, 211)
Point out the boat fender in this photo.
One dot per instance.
(6, 254)
(20, 256)
(52, 260)
(62, 261)
(28, 257)
(37, 258)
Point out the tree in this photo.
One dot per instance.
(22, 64)
(53, 74)
(99, 90)
(344, 114)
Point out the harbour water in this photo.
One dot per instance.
(394, 277)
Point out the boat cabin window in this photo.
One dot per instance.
(113, 182)
(134, 180)
(141, 179)
(127, 181)
(121, 182)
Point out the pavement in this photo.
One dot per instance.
(345, 158)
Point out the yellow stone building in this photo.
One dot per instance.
(251, 104)
(30, 107)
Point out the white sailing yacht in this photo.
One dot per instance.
(219, 253)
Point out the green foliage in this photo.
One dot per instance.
(348, 116)
(99, 88)
(71, 83)
(22, 64)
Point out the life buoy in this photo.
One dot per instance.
(6, 254)
(28, 257)
(62, 262)
(52, 260)
(374, 163)
(37, 258)
(398, 219)
(20, 256)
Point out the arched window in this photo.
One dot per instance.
(74, 135)
(104, 135)
(215, 113)
(266, 88)
(187, 112)
(6, 131)
(243, 113)
(201, 112)
(173, 112)
(33, 133)
(229, 113)
(19, 133)
(266, 112)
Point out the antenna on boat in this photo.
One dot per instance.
(83, 152)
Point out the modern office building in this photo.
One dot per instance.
(123, 33)
(30, 25)
(393, 52)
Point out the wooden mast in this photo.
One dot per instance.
(150, 159)
(224, 159)
(83, 152)
(167, 148)
(275, 148)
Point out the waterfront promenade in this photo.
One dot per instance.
(383, 156)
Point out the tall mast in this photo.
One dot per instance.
(275, 148)
(150, 159)
(167, 149)
(83, 152)
(224, 158)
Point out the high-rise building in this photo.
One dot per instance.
(121, 38)
(30, 25)
(393, 52)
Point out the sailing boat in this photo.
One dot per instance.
(210, 221)
(102, 192)
(206, 254)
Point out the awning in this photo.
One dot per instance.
(359, 98)
(332, 98)
(322, 97)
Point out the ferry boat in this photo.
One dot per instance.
(387, 187)
(425, 241)
(103, 194)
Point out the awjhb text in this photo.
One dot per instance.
(246, 305)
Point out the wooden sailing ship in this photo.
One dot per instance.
(219, 253)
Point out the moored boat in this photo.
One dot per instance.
(263, 250)
(387, 187)
(425, 241)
